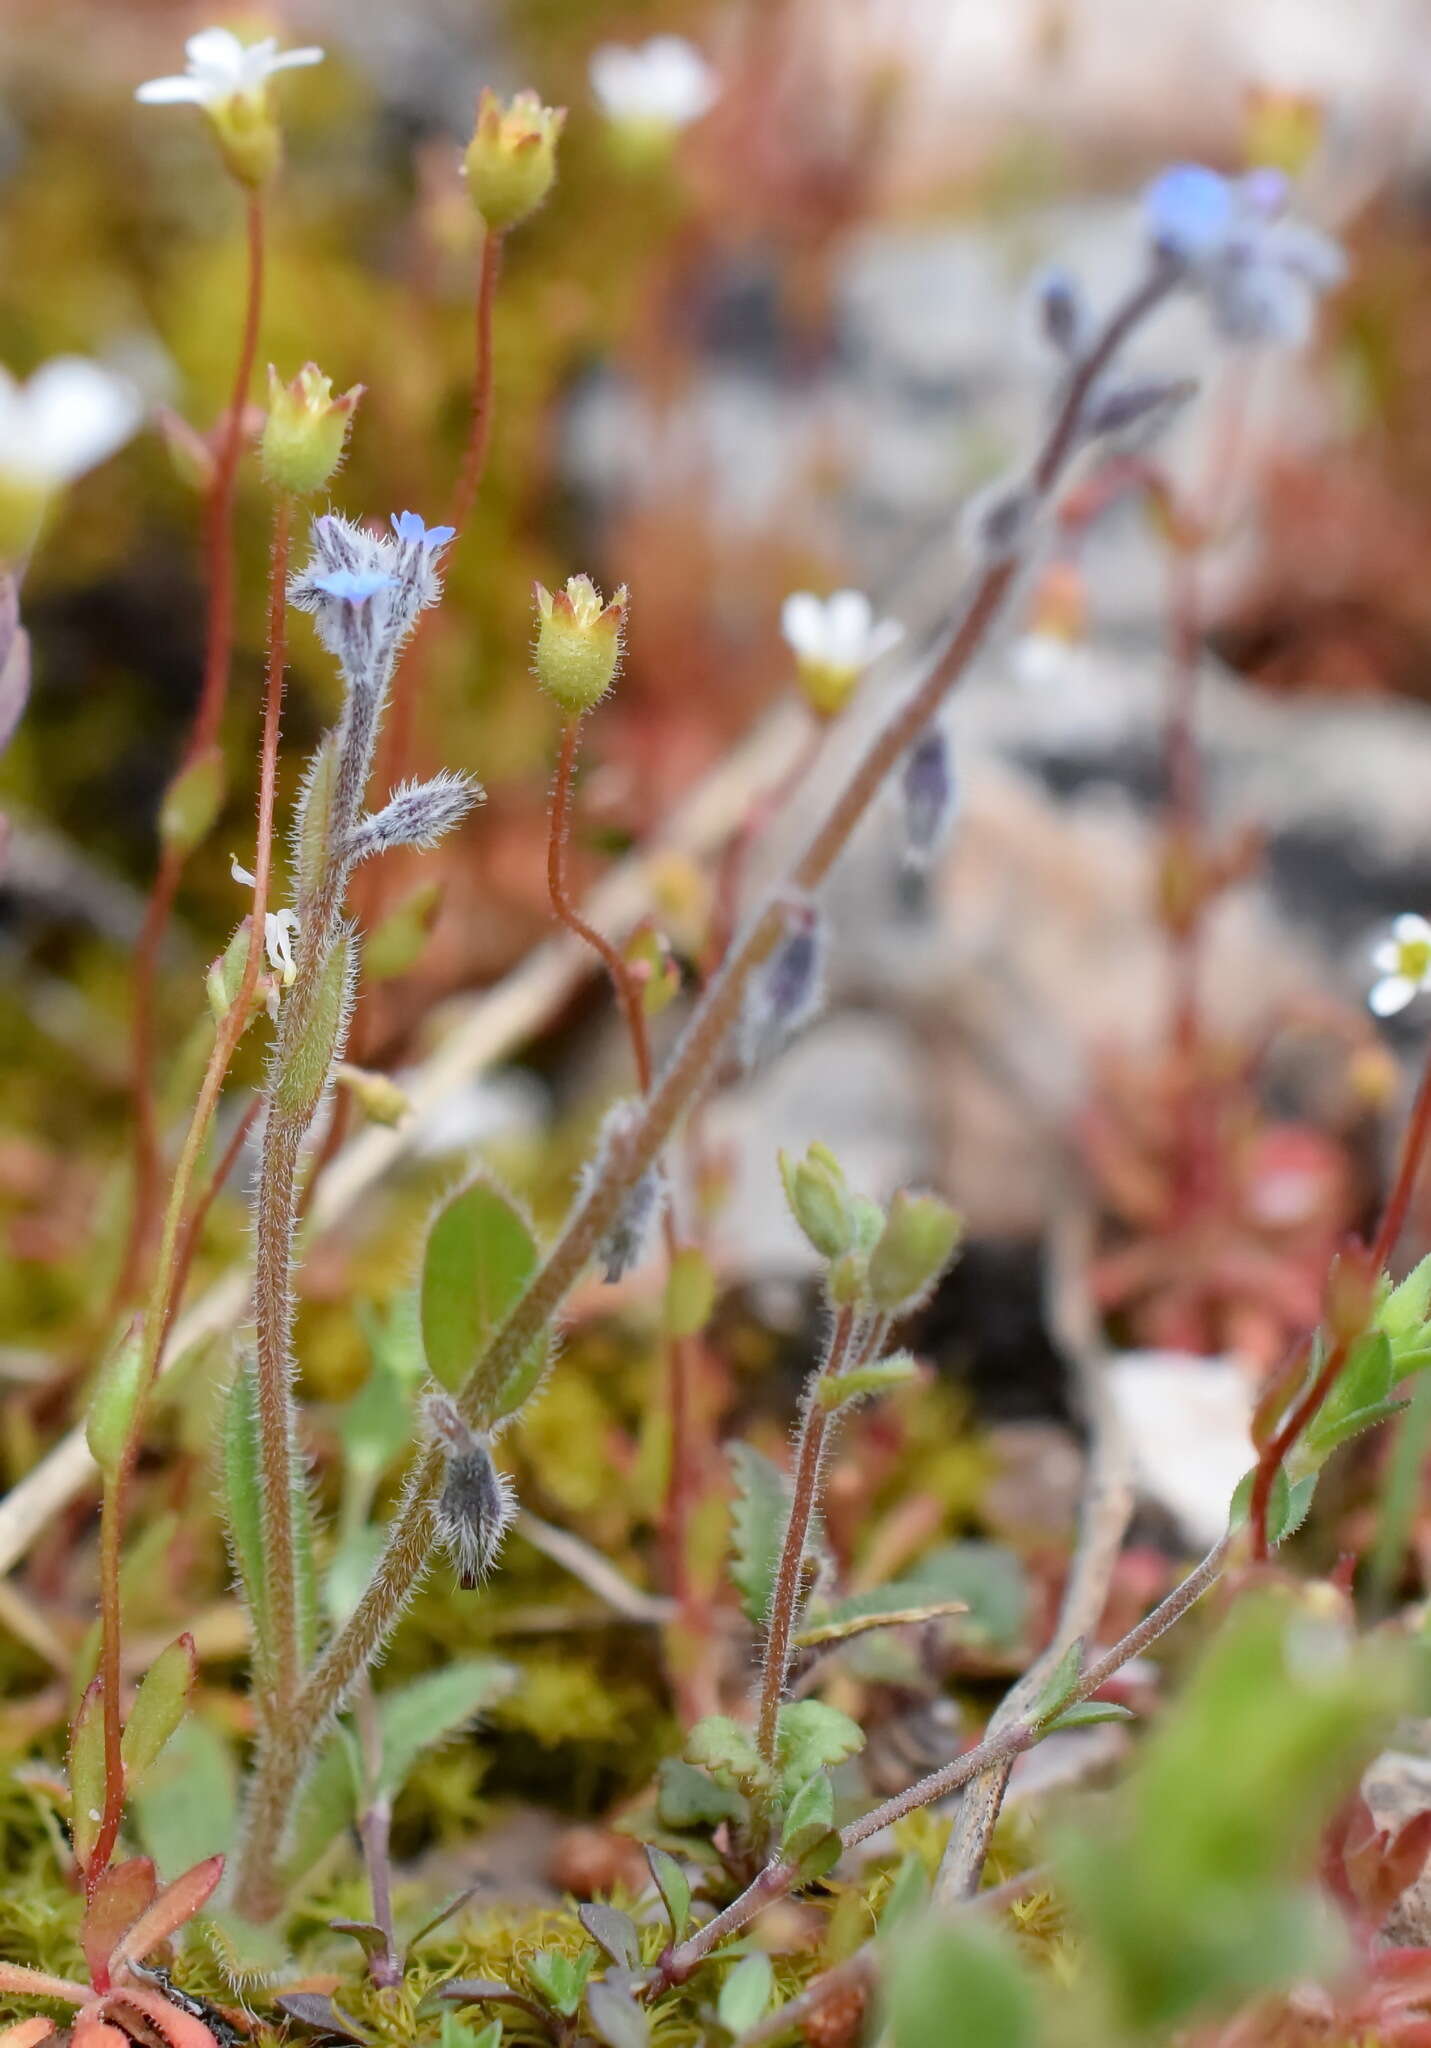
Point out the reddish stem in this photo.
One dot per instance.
(203, 734)
(479, 438)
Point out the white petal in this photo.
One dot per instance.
(1411, 930)
(1386, 957)
(848, 618)
(290, 60)
(802, 621)
(1391, 995)
(217, 50)
(76, 414)
(241, 874)
(1188, 1422)
(171, 92)
(615, 76)
(679, 80)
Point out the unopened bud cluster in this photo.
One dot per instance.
(889, 1261)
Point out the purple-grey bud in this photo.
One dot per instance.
(1145, 407)
(1062, 311)
(997, 521)
(786, 990)
(625, 1240)
(416, 814)
(475, 1506)
(927, 789)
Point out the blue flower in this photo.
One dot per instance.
(354, 586)
(1189, 211)
(409, 526)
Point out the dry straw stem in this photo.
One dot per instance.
(410, 1540)
(492, 1026)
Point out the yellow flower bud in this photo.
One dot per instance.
(306, 430)
(510, 163)
(380, 1099)
(578, 642)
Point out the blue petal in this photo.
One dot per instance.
(410, 526)
(355, 586)
(1189, 209)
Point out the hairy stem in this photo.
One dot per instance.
(996, 1750)
(203, 734)
(405, 1558)
(785, 1596)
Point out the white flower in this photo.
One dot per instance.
(1404, 963)
(69, 416)
(221, 69)
(839, 631)
(666, 82)
(280, 929)
(834, 639)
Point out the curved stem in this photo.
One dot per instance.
(203, 734)
(405, 1558)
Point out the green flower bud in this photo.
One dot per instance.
(245, 126)
(578, 642)
(510, 163)
(918, 1241)
(306, 430)
(815, 1190)
(115, 1401)
(193, 801)
(380, 1098)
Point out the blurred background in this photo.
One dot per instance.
(781, 353)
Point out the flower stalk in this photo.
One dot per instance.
(407, 1554)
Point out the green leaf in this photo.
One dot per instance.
(1086, 1713)
(1059, 1683)
(959, 1985)
(186, 1807)
(327, 1804)
(616, 2018)
(243, 1500)
(455, 2033)
(839, 1391)
(87, 1778)
(192, 802)
(158, 1707)
(902, 1603)
(1365, 1381)
(114, 1401)
(810, 1814)
(560, 1979)
(908, 1894)
(727, 1750)
(758, 1520)
(1406, 1307)
(349, 1570)
(396, 941)
(810, 1737)
(1327, 1438)
(481, 1252)
(986, 1575)
(674, 1886)
(745, 1994)
(426, 1711)
(613, 1931)
(688, 1798)
(1287, 1504)
(298, 1083)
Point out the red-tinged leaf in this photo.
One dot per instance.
(87, 1773)
(178, 1902)
(124, 1892)
(89, 2032)
(176, 2028)
(27, 2033)
(28, 1983)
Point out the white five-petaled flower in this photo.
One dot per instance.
(663, 83)
(221, 68)
(69, 416)
(1404, 963)
(834, 639)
